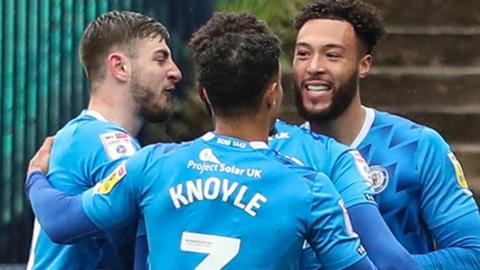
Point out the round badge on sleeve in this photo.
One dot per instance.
(380, 177)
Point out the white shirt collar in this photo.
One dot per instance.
(254, 144)
(95, 115)
(367, 124)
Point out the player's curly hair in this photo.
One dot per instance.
(236, 56)
(364, 18)
(115, 29)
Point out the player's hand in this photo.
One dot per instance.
(40, 160)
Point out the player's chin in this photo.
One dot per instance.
(316, 108)
(158, 114)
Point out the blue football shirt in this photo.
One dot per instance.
(222, 203)
(343, 165)
(418, 182)
(85, 150)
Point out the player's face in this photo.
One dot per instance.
(153, 78)
(326, 66)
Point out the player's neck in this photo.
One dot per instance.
(347, 126)
(115, 109)
(250, 129)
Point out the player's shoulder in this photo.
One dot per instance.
(388, 124)
(90, 137)
(291, 166)
(407, 128)
(157, 151)
(85, 127)
(302, 133)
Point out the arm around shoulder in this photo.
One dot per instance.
(61, 216)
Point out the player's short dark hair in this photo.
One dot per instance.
(115, 29)
(236, 56)
(366, 21)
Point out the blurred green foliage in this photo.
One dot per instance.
(190, 118)
(279, 16)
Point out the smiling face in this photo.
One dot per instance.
(326, 65)
(153, 78)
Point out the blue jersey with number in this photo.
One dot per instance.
(342, 164)
(222, 203)
(85, 150)
(419, 183)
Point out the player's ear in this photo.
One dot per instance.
(202, 92)
(117, 65)
(364, 65)
(272, 93)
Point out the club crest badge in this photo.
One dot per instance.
(379, 176)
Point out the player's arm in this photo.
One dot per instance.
(448, 207)
(62, 216)
(109, 204)
(351, 179)
(380, 243)
(141, 246)
(458, 245)
(37, 180)
(331, 235)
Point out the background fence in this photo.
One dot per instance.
(42, 85)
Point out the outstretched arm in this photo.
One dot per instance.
(458, 245)
(62, 217)
(382, 247)
(448, 207)
(50, 205)
(67, 218)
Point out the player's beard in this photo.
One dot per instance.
(341, 99)
(147, 102)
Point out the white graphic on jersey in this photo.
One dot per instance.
(35, 236)
(306, 245)
(346, 217)
(117, 145)
(280, 136)
(295, 160)
(212, 164)
(362, 166)
(207, 155)
(380, 178)
(212, 189)
(229, 142)
(220, 249)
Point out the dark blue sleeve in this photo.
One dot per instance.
(141, 253)
(61, 216)
(382, 247)
(458, 244)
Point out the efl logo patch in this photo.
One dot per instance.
(461, 180)
(117, 145)
(112, 180)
